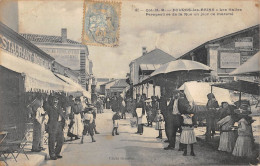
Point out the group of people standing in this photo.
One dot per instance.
(176, 114)
(234, 123)
(236, 135)
(172, 115)
(60, 116)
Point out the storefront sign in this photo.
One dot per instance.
(22, 52)
(229, 60)
(67, 57)
(244, 44)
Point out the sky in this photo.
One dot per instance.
(175, 35)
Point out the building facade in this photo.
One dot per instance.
(226, 53)
(142, 67)
(68, 53)
(25, 70)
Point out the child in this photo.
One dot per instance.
(159, 123)
(116, 118)
(187, 134)
(88, 124)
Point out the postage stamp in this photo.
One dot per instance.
(101, 23)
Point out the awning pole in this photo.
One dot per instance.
(239, 98)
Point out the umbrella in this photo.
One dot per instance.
(180, 65)
(250, 67)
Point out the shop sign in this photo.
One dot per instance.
(22, 52)
(67, 57)
(244, 44)
(229, 60)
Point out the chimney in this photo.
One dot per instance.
(144, 50)
(64, 35)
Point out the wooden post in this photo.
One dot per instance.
(239, 98)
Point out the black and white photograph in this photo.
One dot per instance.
(129, 82)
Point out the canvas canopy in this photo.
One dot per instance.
(250, 67)
(196, 93)
(36, 76)
(241, 86)
(75, 87)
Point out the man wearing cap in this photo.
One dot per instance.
(55, 127)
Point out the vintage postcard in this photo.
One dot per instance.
(129, 82)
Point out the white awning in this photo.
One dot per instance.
(75, 87)
(196, 93)
(36, 76)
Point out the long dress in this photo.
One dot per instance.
(77, 127)
(227, 136)
(243, 146)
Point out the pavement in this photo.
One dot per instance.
(129, 148)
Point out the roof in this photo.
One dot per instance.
(241, 86)
(218, 39)
(14, 35)
(108, 82)
(120, 83)
(46, 39)
(156, 56)
(102, 79)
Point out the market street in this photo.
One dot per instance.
(129, 148)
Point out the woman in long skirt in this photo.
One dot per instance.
(227, 136)
(244, 143)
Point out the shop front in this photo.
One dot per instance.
(25, 70)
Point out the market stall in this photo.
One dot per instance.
(196, 93)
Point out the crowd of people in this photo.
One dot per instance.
(61, 117)
(176, 114)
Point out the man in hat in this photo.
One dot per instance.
(171, 126)
(175, 107)
(55, 127)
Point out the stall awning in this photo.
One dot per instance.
(250, 67)
(241, 86)
(196, 93)
(149, 67)
(74, 87)
(36, 76)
